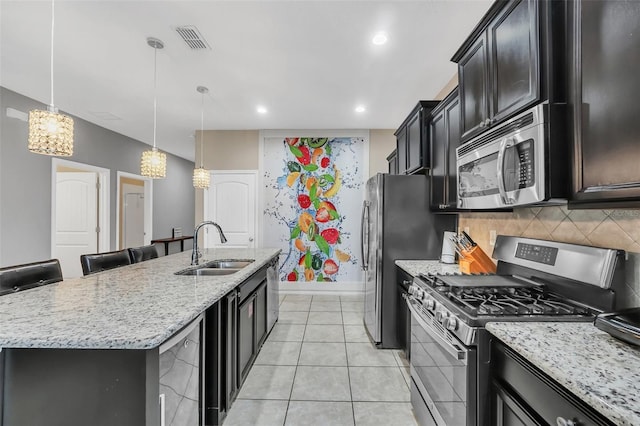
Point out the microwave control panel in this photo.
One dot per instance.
(526, 177)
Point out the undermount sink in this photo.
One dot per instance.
(217, 267)
(228, 264)
(208, 271)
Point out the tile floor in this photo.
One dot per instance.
(318, 367)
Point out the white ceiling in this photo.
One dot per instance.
(308, 62)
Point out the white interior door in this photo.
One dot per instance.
(133, 216)
(76, 219)
(230, 201)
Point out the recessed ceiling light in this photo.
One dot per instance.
(380, 38)
(261, 110)
(360, 109)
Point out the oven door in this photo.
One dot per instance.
(504, 168)
(443, 373)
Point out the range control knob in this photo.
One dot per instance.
(430, 304)
(450, 323)
(439, 316)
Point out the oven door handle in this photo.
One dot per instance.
(450, 348)
(504, 144)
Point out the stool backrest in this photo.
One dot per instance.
(29, 275)
(92, 263)
(140, 254)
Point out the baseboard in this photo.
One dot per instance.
(341, 288)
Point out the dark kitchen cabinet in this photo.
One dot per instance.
(221, 384)
(444, 132)
(521, 394)
(236, 328)
(261, 315)
(604, 77)
(246, 336)
(392, 159)
(499, 66)
(473, 78)
(401, 150)
(252, 322)
(412, 149)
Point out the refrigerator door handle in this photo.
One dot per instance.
(364, 236)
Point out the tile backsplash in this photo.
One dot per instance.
(619, 229)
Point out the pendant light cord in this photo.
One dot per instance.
(202, 133)
(155, 94)
(52, 32)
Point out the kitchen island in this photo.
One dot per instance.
(107, 329)
(601, 371)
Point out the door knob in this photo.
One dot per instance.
(250, 239)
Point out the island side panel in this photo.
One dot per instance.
(80, 387)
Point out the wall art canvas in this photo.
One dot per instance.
(313, 197)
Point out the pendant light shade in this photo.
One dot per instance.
(50, 132)
(201, 176)
(154, 163)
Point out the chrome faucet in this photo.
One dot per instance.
(196, 253)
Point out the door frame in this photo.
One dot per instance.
(148, 205)
(104, 215)
(256, 216)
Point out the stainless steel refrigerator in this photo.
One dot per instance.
(396, 224)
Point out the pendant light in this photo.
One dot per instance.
(201, 177)
(50, 132)
(154, 162)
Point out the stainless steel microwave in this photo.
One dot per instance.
(509, 165)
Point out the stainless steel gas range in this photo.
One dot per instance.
(536, 280)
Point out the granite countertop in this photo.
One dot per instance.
(417, 267)
(600, 370)
(132, 307)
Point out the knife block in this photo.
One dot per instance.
(476, 261)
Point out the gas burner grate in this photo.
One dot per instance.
(505, 301)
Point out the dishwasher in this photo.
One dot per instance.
(181, 376)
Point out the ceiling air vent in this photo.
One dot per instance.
(191, 35)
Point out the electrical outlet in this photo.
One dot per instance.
(492, 237)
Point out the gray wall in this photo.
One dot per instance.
(25, 183)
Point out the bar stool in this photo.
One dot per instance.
(140, 254)
(92, 263)
(29, 275)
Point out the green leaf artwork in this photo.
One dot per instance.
(323, 246)
(295, 151)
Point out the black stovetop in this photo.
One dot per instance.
(497, 296)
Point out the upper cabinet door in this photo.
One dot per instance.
(414, 158)
(472, 71)
(452, 117)
(438, 137)
(605, 84)
(499, 66)
(514, 59)
(401, 150)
